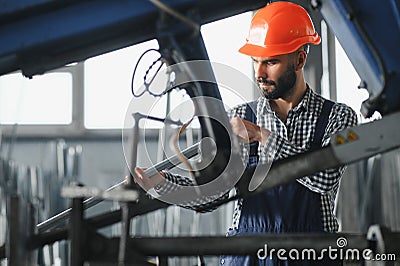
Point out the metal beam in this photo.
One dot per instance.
(243, 245)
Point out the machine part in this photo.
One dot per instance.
(372, 50)
(146, 83)
(367, 139)
(273, 32)
(383, 242)
(136, 136)
(135, 143)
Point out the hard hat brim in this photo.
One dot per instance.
(267, 51)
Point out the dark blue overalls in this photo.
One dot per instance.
(284, 209)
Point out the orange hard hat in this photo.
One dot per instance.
(279, 28)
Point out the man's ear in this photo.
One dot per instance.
(301, 60)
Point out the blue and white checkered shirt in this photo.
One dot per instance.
(291, 137)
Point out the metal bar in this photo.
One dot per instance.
(159, 119)
(176, 14)
(2, 251)
(243, 245)
(331, 64)
(77, 232)
(13, 245)
(99, 221)
(316, 246)
(135, 142)
(30, 222)
(46, 238)
(125, 229)
(301, 165)
(141, 208)
(166, 164)
(20, 225)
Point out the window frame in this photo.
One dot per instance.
(76, 129)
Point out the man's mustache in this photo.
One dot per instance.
(264, 81)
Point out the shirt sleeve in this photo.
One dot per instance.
(202, 204)
(341, 118)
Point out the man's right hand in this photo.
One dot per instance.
(249, 132)
(147, 182)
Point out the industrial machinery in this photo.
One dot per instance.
(38, 36)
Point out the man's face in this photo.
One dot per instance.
(276, 76)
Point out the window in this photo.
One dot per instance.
(108, 85)
(347, 81)
(45, 99)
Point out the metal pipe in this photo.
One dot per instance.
(77, 232)
(249, 244)
(47, 238)
(3, 251)
(135, 143)
(176, 14)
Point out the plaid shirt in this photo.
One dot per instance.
(288, 138)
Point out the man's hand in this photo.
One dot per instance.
(148, 182)
(248, 131)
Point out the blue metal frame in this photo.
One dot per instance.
(369, 32)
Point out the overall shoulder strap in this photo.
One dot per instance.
(322, 122)
(251, 115)
(251, 109)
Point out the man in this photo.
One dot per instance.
(291, 118)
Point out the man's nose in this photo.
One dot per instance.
(259, 71)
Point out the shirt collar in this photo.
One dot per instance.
(305, 102)
(264, 106)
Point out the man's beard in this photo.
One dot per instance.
(282, 88)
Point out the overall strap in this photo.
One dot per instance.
(251, 109)
(322, 122)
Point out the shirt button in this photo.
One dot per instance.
(222, 261)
